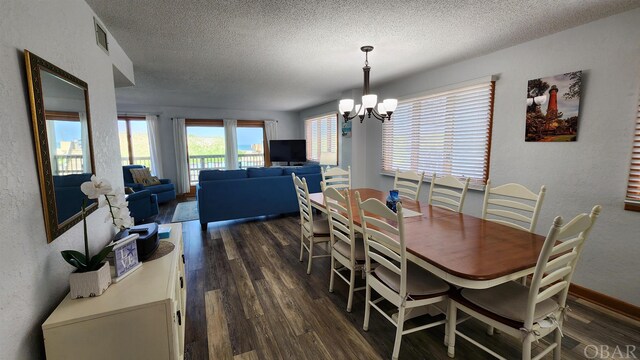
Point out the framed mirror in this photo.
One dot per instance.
(62, 138)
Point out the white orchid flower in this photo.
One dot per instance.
(118, 213)
(96, 187)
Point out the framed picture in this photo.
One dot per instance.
(126, 257)
(346, 129)
(553, 106)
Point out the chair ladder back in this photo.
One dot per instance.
(340, 217)
(408, 184)
(337, 178)
(304, 203)
(513, 205)
(552, 276)
(442, 193)
(379, 236)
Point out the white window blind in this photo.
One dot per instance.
(447, 133)
(633, 187)
(322, 138)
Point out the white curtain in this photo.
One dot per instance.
(271, 129)
(180, 142)
(53, 146)
(84, 129)
(154, 145)
(231, 143)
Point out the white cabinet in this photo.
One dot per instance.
(140, 317)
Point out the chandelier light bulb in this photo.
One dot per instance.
(381, 109)
(390, 105)
(345, 106)
(369, 101)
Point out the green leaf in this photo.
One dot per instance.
(75, 258)
(95, 262)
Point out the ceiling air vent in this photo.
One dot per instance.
(101, 36)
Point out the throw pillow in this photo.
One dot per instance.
(152, 181)
(140, 175)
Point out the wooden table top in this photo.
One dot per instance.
(459, 244)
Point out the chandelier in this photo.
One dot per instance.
(369, 101)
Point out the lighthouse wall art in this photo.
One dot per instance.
(553, 106)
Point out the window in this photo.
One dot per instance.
(134, 141)
(632, 201)
(322, 139)
(447, 133)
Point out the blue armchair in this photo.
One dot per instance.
(166, 191)
(142, 205)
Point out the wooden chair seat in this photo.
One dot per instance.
(420, 283)
(345, 250)
(320, 227)
(509, 300)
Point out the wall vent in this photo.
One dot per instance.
(101, 36)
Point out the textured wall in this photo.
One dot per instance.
(578, 175)
(34, 277)
(288, 125)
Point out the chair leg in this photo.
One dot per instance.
(557, 352)
(367, 307)
(311, 246)
(396, 344)
(333, 266)
(451, 328)
(526, 348)
(490, 330)
(301, 244)
(352, 283)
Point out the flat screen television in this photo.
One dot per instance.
(288, 150)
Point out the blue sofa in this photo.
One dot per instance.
(68, 194)
(235, 194)
(142, 205)
(166, 191)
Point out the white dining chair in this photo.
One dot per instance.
(403, 284)
(347, 248)
(408, 183)
(448, 192)
(529, 313)
(513, 205)
(311, 231)
(336, 177)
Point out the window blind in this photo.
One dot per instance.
(322, 138)
(633, 186)
(447, 133)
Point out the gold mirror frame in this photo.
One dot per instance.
(34, 65)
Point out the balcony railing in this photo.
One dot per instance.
(146, 161)
(211, 162)
(67, 164)
(73, 164)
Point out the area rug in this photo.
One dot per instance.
(186, 211)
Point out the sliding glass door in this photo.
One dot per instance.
(207, 146)
(251, 144)
(134, 141)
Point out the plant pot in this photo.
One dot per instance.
(91, 283)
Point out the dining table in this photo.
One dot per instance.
(461, 249)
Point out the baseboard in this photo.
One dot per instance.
(606, 301)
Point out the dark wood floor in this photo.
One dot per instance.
(250, 298)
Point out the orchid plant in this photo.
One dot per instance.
(118, 215)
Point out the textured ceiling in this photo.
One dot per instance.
(291, 54)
